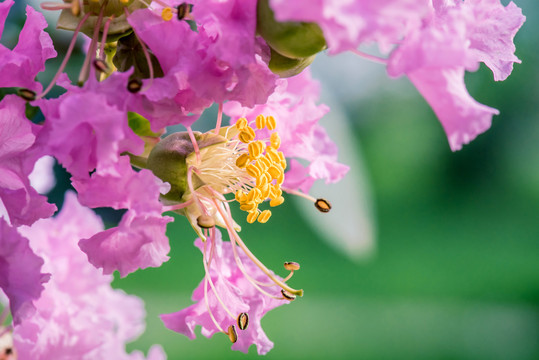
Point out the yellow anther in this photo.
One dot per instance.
(264, 216)
(283, 164)
(281, 156)
(242, 161)
(247, 134)
(275, 140)
(124, 1)
(264, 162)
(241, 123)
(280, 179)
(75, 8)
(272, 154)
(270, 122)
(167, 14)
(244, 137)
(240, 196)
(248, 206)
(253, 170)
(275, 192)
(261, 165)
(256, 148)
(251, 218)
(275, 171)
(265, 191)
(262, 180)
(260, 121)
(254, 195)
(277, 202)
(250, 131)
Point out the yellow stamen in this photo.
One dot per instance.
(260, 121)
(167, 14)
(254, 195)
(264, 216)
(242, 161)
(253, 170)
(275, 171)
(277, 202)
(251, 218)
(248, 206)
(241, 123)
(275, 140)
(270, 122)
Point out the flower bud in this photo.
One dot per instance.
(295, 40)
(287, 67)
(70, 18)
(168, 159)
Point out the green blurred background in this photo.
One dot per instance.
(454, 273)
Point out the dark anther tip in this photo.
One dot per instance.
(26, 94)
(322, 205)
(134, 86)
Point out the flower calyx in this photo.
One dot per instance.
(71, 17)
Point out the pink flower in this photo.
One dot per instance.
(293, 105)
(348, 24)
(21, 278)
(139, 241)
(17, 135)
(198, 65)
(78, 314)
(87, 129)
(455, 37)
(20, 66)
(230, 294)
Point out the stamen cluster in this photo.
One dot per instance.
(265, 164)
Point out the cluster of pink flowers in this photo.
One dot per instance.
(153, 64)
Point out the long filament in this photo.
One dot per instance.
(146, 55)
(104, 37)
(195, 144)
(219, 118)
(208, 277)
(370, 57)
(83, 75)
(298, 193)
(66, 58)
(234, 237)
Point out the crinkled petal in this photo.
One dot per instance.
(20, 66)
(76, 319)
(461, 116)
(84, 133)
(236, 292)
(21, 278)
(491, 34)
(23, 204)
(139, 241)
(296, 112)
(347, 24)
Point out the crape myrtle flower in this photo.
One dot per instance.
(20, 66)
(225, 298)
(21, 276)
(17, 137)
(457, 36)
(293, 105)
(73, 318)
(203, 169)
(432, 42)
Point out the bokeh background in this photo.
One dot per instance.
(434, 254)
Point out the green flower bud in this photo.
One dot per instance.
(118, 27)
(287, 67)
(296, 40)
(168, 160)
